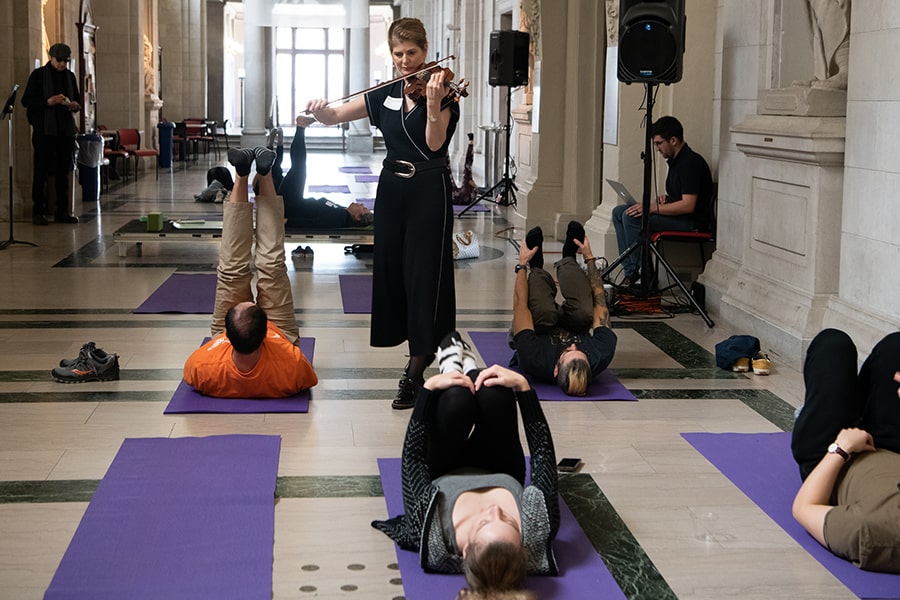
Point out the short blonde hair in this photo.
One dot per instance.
(574, 377)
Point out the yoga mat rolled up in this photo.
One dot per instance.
(494, 349)
(177, 518)
(582, 572)
(761, 466)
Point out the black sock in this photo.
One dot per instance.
(575, 231)
(535, 238)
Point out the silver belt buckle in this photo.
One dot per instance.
(408, 165)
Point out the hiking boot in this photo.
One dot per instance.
(89, 368)
(86, 350)
(407, 391)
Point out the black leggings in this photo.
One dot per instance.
(300, 212)
(480, 430)
(837, 397)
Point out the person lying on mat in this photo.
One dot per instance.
(311, 213)
(846, 441)
(253, 352)
(467, 508)
(555, 342)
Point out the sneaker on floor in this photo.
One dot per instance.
(741, 365)
(86, 350)
(761, 364)
(407, 391)
(89, 368)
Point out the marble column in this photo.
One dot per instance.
(255, 106)
(359, 134)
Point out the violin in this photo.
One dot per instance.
(415, 83)
(418, 80)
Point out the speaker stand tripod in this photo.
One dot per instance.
(8, 115)
(643, 244)
(506, 188)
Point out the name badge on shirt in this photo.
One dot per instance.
(393, 103)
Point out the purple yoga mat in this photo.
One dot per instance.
(356, 294)
(761, 465)
(182, 293)
(177, 518)
(458, 208)
(582, 572)
(366, 179)
(360, 170)
(493, 347)
(326, 189)
(188, 400)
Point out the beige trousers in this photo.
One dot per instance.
(234, 276)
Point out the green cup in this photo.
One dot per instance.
(154, 221)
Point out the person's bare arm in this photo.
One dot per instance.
(601, 311)
(342, 113)
(812, 501)
(522, 318)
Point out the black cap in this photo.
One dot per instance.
(60, 52)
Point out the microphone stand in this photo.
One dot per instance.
(8, 112)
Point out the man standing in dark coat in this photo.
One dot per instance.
(52, 98)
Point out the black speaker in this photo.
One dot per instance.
(651, 40)
(508, 58)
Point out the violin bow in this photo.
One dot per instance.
(387, 83)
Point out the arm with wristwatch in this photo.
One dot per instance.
(812, 501)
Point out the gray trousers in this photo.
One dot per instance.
(576, 313)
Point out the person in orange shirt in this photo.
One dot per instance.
(253, 352)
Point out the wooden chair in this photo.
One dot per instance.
(197, 134)
(130, 140)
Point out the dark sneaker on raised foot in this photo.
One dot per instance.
(407, 391)
(89, 368)
(85, 351)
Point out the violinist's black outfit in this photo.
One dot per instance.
(413, 296)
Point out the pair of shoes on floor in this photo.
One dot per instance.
(407, 391)
(760, 364)
(91, 364)
(301, 252)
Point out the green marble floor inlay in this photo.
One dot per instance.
(629, 565)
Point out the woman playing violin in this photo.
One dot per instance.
(413, 297)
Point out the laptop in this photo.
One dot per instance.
(622, 191)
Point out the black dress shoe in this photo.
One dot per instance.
(65, 219)
(406, 393)
(37, 219)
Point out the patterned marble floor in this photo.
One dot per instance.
(637, 495)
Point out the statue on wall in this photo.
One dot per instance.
(149, 71)
(830, 21)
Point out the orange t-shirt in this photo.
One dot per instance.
(282, 369)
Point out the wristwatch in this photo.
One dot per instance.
(520, 267)
(835, 449)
